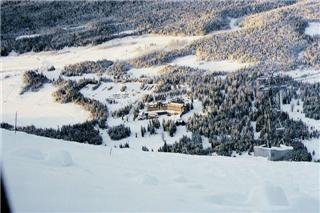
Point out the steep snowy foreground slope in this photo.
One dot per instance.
(52, 175)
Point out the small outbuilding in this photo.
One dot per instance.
(273, 153)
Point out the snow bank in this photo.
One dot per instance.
(313, 29)
(211, 66)
(150, 182)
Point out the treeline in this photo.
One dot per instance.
(69, 91)
(187, 145)
(33, 81)
(122, 111)
(85, 67)
(82, 133)
(119, 132)
(311, 100)
(118, 70)
(82, 23)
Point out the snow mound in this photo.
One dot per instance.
(29, 153)
(60, 158)
(267, 195)
(148, 180)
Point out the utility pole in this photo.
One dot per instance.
(15, 123)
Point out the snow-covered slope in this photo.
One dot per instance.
(211, 66)
(44, 174)
(35, 108)
(115, 49)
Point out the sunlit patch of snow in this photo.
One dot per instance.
(211, 66)
(115, 49)
(305, 75)
(234, 23)
(75, 28)
(27, 36)
(182, 182)
(148, 71)
(125, 32)
(36, 108)
(313, 29)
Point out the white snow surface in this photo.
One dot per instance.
(313, 29)
(45, 174)
(146, 71)
(305, 75)
(35, 108)
(211, 66)
(111, 90)
(115, 49)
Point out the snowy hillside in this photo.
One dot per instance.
(50, 175)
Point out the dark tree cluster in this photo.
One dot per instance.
(169, 126)
(186, 145)
(311, 55)
(85, 67)
(69, 91)
(124, 146)
(299, 153)
(33, 81)
(143, 131)
(82, 133)
(153, 125)
(119, 132)
(119, 70)
(311, 100)
(122, 111)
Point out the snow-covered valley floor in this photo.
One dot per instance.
(45, 174)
